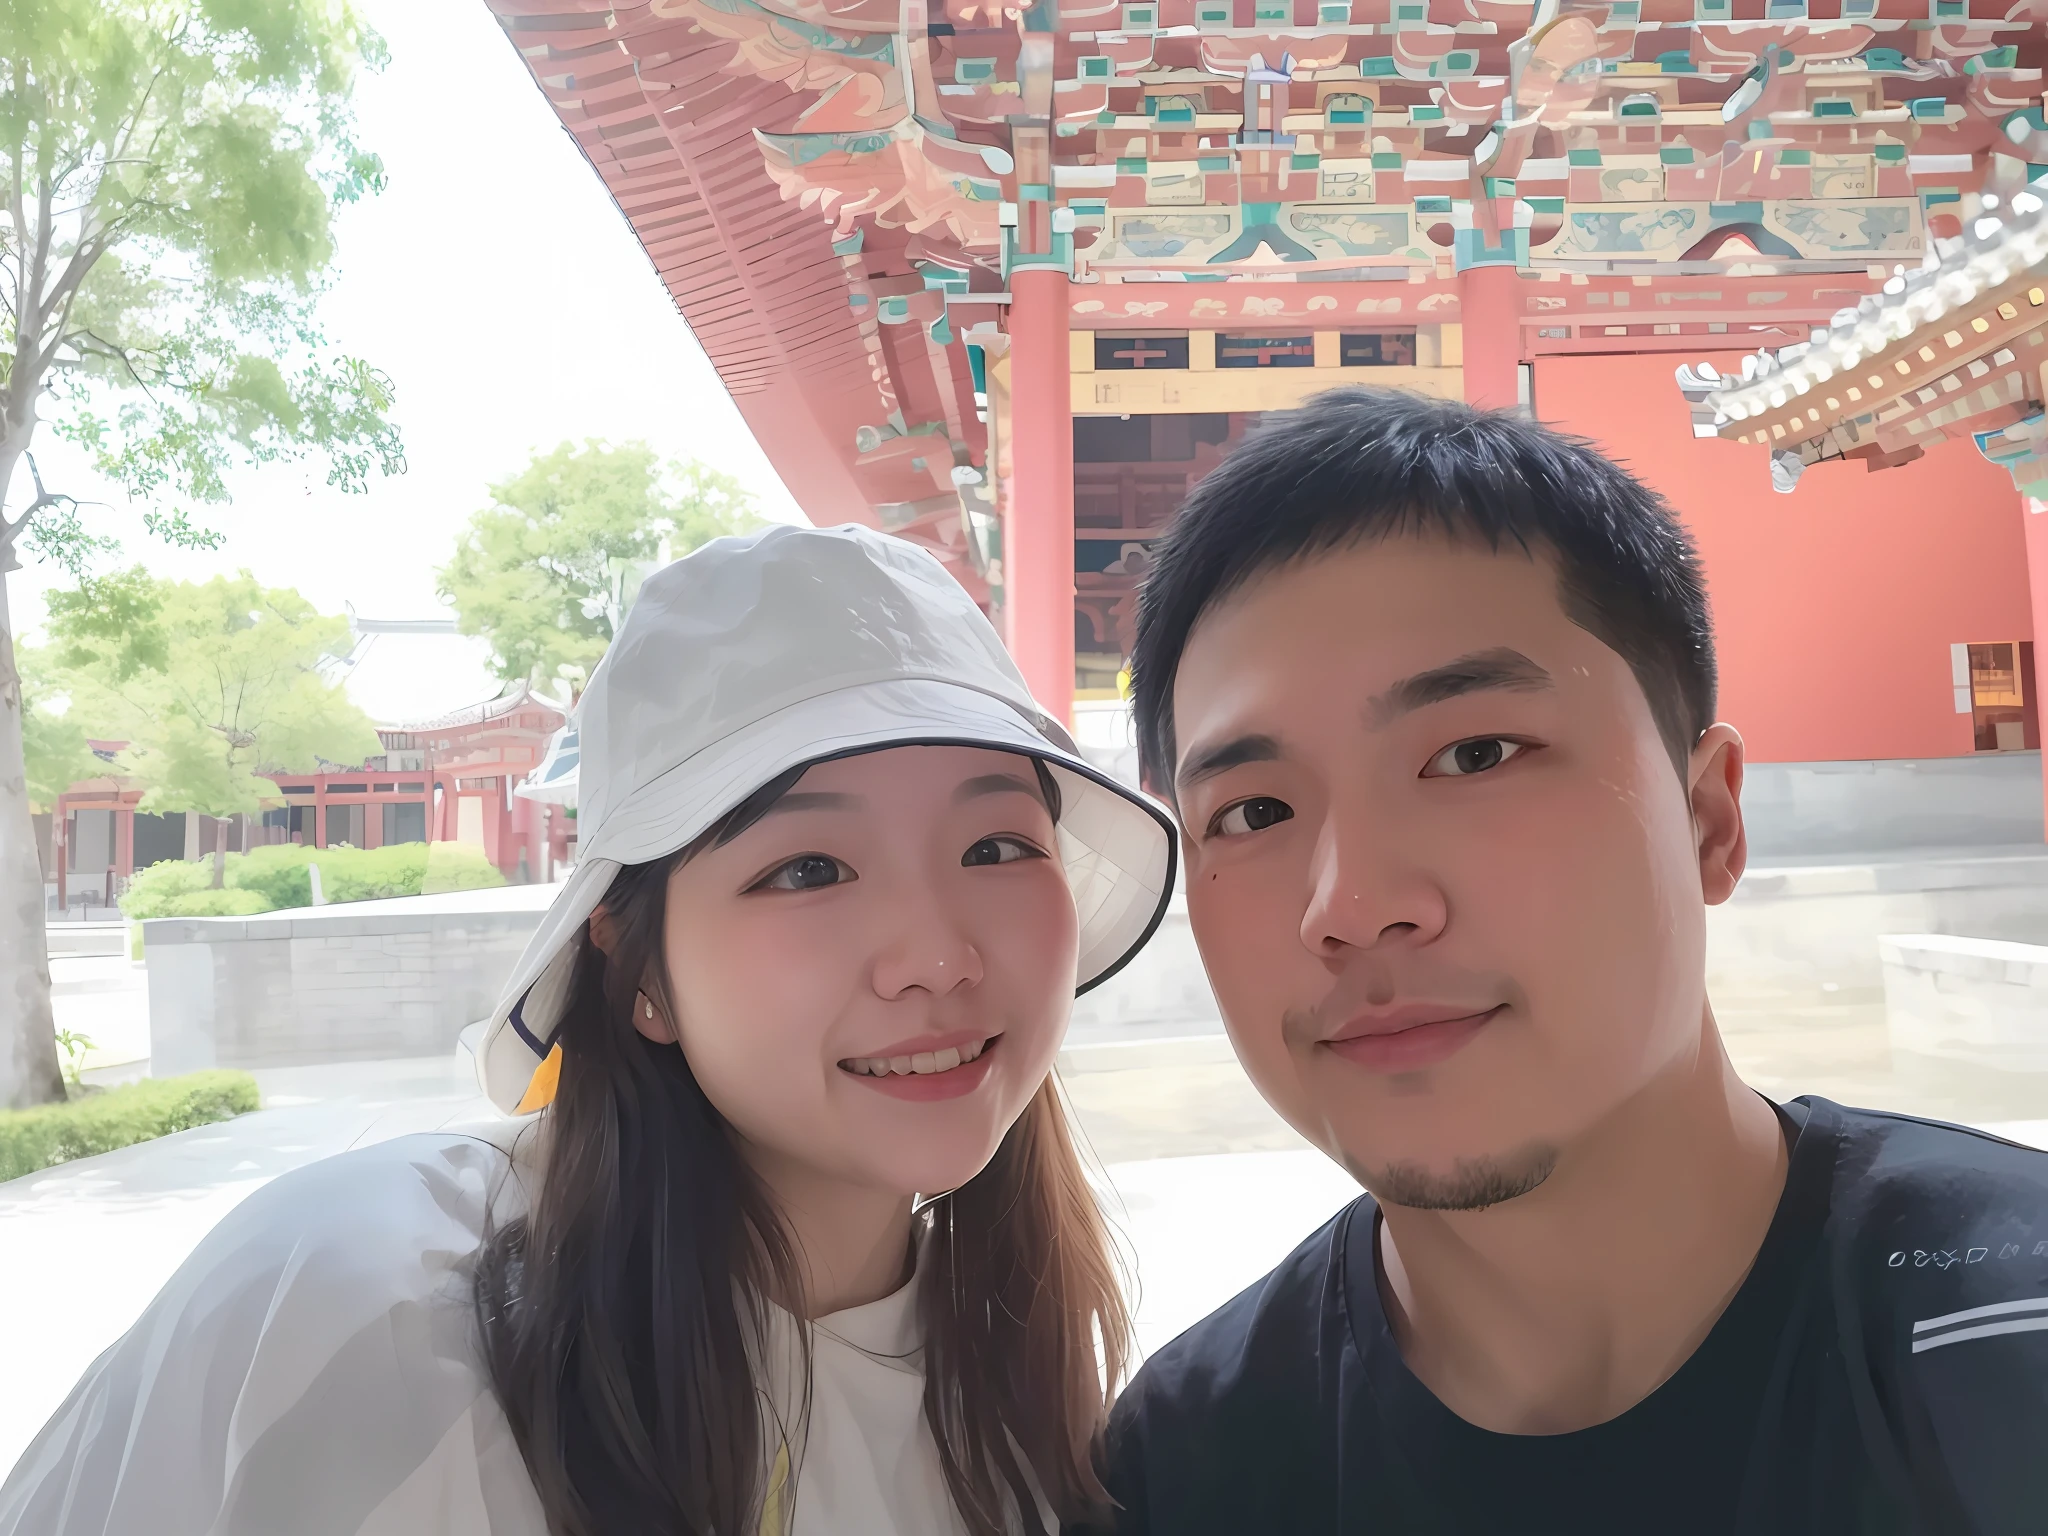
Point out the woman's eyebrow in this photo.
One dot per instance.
(813, 800)
(995, 784)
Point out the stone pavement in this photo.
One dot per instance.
(1207, 1187)
(89, 1243)
(100, 1236)
(106, 999)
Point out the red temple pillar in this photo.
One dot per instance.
(1491, 317)
(1038, 525)
(2035, 515)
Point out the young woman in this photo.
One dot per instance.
(794, 1238)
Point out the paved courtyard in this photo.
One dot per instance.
(1207, 1185)
(90, 1242)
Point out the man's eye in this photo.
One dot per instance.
(1474, 756)
(1254, 815)
(999, 850)
(807, 872)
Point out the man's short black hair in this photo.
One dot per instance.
(1356, 465)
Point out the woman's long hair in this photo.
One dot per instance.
(621, 1318)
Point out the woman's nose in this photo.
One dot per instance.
(925, 950)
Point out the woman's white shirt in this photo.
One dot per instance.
(311, 1370)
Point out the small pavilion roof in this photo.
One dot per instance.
(515, 698)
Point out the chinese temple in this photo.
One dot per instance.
(444, 775)
(1006, 278)
(1953, 352)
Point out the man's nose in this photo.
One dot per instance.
(1364, 890)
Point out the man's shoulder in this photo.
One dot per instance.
(1262, 1348)
(1900, 1177)
(1938, 1246)
(1927, 1220)
(1226, 1426)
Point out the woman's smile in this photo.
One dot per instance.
(948, 1072)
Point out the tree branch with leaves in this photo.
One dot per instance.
(546, 572)
(169, 170)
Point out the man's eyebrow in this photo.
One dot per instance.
(1208, 761)
(813, 800)
(1481, 671)
(997, 784)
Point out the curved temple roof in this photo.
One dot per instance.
(1955, 348)
(836, 191)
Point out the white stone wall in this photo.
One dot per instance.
(1789, 938)
(1861, 806)
(1799, 936)
(380, 979)
(1163, 991)
(365, 981)
(1984, 1001)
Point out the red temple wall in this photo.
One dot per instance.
(1834, 607)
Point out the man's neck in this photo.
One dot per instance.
(1569, 1305)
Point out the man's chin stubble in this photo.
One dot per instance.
(1473, 1184)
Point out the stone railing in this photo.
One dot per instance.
(360, 981)
(1983, 1001)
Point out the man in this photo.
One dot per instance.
(1433, 691)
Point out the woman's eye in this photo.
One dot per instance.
(999, 850)
(807, 872)
(1474, 756)
(1254, 815)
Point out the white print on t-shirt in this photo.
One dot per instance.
(1948, 1258)
(1948, 1329)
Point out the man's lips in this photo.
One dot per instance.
(1410, 1037)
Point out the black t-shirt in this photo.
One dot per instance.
(1883, 1369)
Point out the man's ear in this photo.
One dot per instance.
(1714, 784)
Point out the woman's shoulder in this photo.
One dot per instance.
(318, 1345)
(420, 1198)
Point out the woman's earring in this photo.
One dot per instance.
(646, 1023)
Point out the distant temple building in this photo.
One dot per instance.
(444, 776)
(1005, 279)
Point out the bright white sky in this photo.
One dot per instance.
(500, 287)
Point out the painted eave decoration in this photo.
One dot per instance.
(1953, 348)
(837, 192)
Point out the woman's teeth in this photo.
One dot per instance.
(922, 1062)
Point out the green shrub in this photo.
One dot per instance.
(224, 903)
(458, 867)
(276, 877)
(150, 889)
(280, 872)
(277, 873)
(120, 1117)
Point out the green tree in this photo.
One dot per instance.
(547, 571)
(168, 169)
(54, 748)
(233, 679)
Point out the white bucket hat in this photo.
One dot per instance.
(754, 655)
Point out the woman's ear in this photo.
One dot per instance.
(650, 1023)
(605, 935)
